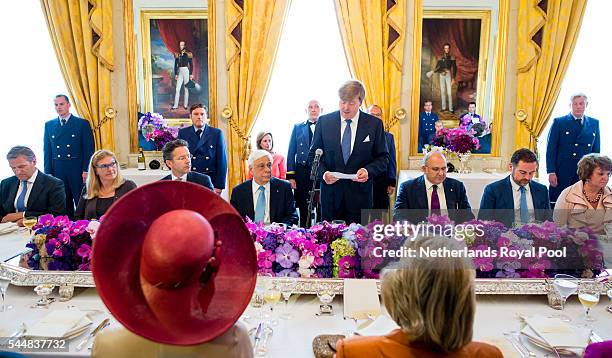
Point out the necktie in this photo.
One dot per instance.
(63, 122)
(310, 124)
(524, 212)
(346, 141)
(20, 207)
(199, 133)
(260, 208)
(435, 200)
(579, 121)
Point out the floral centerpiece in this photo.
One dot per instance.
(154, 128)
(61, 244)
(461, 141)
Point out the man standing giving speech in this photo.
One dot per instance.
(353, 142)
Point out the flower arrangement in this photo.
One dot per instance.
(461, 141)
(155, 129)
(61, 244)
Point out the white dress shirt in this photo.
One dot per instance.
(355, 119)
(516, 195)
(441, 196)
(66, 118)
(256, 194)
(29, 189)
(183, 178)
(312, 128)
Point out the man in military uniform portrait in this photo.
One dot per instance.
(427, 124)
(68, 147)
(183, 73)
(446, 68)
(570, 138)
(298, 171)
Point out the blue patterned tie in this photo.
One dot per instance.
(524, 211)
(260, 208)
(20, 207)
(346, 141)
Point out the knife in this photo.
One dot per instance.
(100, 327)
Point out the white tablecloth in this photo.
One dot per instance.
(142, 177)
(13, 244)
(494, 315)
(474, 182)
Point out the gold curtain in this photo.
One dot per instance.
(82, 35)
(373, 33)
(252, 36)
(542, 66)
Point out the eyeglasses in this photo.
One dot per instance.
(106, 166)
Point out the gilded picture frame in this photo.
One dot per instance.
(488, 83)
(158, 51)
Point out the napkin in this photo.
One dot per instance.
(503, 344)
(360, 299)
(379, 327)
(6, 228)
(60, 324)
(553, 332)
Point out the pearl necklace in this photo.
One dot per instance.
(597, 198)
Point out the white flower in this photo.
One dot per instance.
(92, 228)
(258, 247)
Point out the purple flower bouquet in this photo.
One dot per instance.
(155, 129)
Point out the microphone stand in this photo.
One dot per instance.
(311, 194)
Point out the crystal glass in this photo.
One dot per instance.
(326, 293)
(588, 294)
(4, 284)
(29, 222)
(43, 291)
(565, 286)
(287, 285)
(272, 296)
(609, 293)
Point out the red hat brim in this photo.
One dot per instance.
(194, 313)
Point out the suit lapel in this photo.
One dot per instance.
(450, 195)
(508, 194)
(334, 138)
(59, 130)
(250, 205)
(421, 193)
(13, 192)
(36, 189)
(362, 132)
(274, 198)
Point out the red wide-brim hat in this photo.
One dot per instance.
(193, 310)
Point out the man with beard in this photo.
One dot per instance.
(517, 198)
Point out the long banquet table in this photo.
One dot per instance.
(494, 316)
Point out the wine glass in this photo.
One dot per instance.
(29, 222)
(4, 284)
(44, 290)
(326, 293)
(287, 286)
(588, 295)
(272, 296)
(565, 286)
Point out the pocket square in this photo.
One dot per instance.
(367, 139)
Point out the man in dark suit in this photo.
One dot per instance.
(384, 183)
(207, 147)
(427, 124)
(68, 147)
(264, 198)
(517, 198)
(432, 193)
(298, 170)
(353, 142)
(177, 157)
(570, 138)
(30, 192)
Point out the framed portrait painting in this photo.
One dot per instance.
(451, 75)
(178, 62)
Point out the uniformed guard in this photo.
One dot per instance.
(183, 73)
(298, 171)
(207, 147)
(570, 138)
(427, 124)
(68, 147)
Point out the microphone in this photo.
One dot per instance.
(315, 163)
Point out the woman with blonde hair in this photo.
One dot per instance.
(433, 301)
(264, 141)
(104, 185)
(588, 202)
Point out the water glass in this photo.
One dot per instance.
(326, 293)
(565, 286)
(4, 284)
(287, 285)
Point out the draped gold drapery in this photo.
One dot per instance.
(542, 66)
(252, 36)
(373, 33)
(82, 36)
